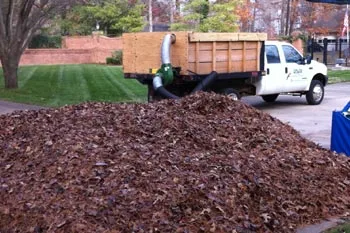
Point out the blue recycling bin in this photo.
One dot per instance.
(340, 136)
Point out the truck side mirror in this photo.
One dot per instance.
(308, 59)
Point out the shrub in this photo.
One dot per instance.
(116, 59)
(45, 41)
(111, 61)
(118, 56)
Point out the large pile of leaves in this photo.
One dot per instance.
(204, 163)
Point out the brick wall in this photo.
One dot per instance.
(65, 56)
(90, 42)
(76, 50)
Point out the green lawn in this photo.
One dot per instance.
(345, 228)
(336, 76)
(58, 85)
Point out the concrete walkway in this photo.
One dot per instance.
(9, 107)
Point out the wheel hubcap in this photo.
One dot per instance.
(317, 93)
(233, 96)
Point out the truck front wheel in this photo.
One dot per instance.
(316, 93)
(270, 98)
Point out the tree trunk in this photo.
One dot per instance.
(283, 27)
(150, 15)
(19, 20)
(252, 29)
(172, 11)
(10, 66)
(287, 32)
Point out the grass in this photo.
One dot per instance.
(340, 229)
(336, 76)
(58, 85)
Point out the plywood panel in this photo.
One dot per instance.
(214, 56)
(251, 65)
(229, 55)
(221, 67)
(203, 68)
(221, 55)
(251, 54)
(128, 53)
(251, 45)
(206, 46)
(236, 55)
(236, 67)
(202, 46)
(244, 56)
(221, 45)
(197, 56)
(203, 56)
(143, 51)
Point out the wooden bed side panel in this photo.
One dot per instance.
(224, 57)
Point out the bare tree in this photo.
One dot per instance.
(19, 20)
(172, 10)
(150, 15)
(283, 18)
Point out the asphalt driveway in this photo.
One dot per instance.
(313, 121)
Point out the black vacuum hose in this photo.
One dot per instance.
(165, 93)
(159, 88)
(205, 82)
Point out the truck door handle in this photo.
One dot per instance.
(286, 70)
(268, 71)
(310, 68)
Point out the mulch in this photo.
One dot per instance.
(204, 163)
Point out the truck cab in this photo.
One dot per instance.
(288, 72)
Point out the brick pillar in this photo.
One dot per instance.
(64, 43)
(94, 51)
(298, 44)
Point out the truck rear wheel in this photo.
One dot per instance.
(232, 93)
(270, 98)
(316, 93)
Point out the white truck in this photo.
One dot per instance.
(288, 72)
(234, 64)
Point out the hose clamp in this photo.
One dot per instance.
(157, 82)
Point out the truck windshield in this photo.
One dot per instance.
(291, 54)
(272, 55)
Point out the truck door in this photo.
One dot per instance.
(274, 81)
(296, 70)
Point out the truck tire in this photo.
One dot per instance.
(232, 93)
(316, 93)
(270, 98)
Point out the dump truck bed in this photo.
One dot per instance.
(194, 53)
